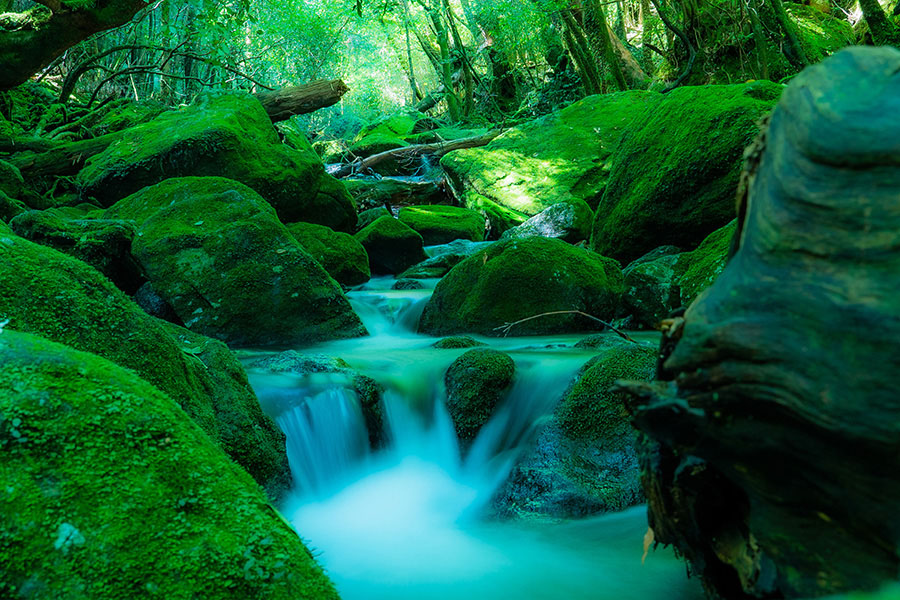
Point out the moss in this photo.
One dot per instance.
(11, 181)
(443, 224)
(109, 492)
(821, 34)
(224, 135)
(569, 220)
(554, 158)
(367, 217)
(443, 134)
(376, 143)
(10, 207)
(397, 125)
(125, 114)
(370, 192)
(674, 178)
(392, 246)
(590, 410)
(697, 270)
(476, 382)
(517, 279)
(457, 342)
(215, 251)
(342, 256)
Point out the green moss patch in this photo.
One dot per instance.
(343, 257)
(443, 224)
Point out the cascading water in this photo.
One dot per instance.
(404, 522)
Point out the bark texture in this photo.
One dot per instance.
(283, 104)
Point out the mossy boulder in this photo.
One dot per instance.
(399, 125)
(559, 157)
(585, 460)
(391, 245)
(11, 181)
(443, 224)
(95, 460)
(376, 143)
(342, 256)
(457, 342)
(443, 259)
(367, 217)
(569, 220)
(216, 252)
(674, 176)
(64, 300)
(227, 136)
(820, 33)
(698, 269)
(517, 279)
(123, 114)
(476, 382)
(105, 244)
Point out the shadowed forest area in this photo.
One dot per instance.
(441, 299)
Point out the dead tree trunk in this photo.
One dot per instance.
(65, 159)
(283, 104)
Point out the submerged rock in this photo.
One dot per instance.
(94, 460)
(476, 382)
(342, 256)
(215, 251)
(674, 176)
(225, 135)
(392, 246)
(569, 221)
(64, 300)
(443, 224)
(518, 279)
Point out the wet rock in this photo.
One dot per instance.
(476, 382)
(407, 284)
(443, 258)
(392, 246)
(569, 221)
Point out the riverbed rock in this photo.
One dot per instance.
(556, 158)
(367, 217)
(343, 257)
(773, 431)
(569, 221)
(224, 135)
(585, 460)
(476, 383)
(443, 224)
(216, 252)
(456, 342)
(64, 300)
(105, 244)
(674, 176)
(95, 459)
(443, 258)
(392, 246)
(518, 279)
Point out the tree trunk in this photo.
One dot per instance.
(283, 104)
(24, 52)
(598, 33)
(790, 32)
(65, 159)
(884, 33)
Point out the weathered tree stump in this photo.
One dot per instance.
(773, 438)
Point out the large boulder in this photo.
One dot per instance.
(674, 177)
(556, 158)
(224, 136)
(775, 426)
(443, 224)
(64, 300)
(110, 492)
(569, 221)
(105, 244)
(476, 382)
(216, 252)
(343, 257)
(392, 246)
(585, 460)
(517, 279)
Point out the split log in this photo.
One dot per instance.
(283, 104)
(775, 427)
(436, 149)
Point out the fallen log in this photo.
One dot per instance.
(774, 431)
(283, 104)
(436, 149)
(65, 159)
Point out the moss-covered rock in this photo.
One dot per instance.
(105, 244)
(64, 300)
(11, 181)
(10, 207)
(562, 156)
(400, 124)
(569, 220)
(698, 269)
(585, 460)
(215, 251)
(367, 217)
(110, 492)
(227, 136)
(342, 256)
(517, 279)
(820, 33)
(457, 342)
(651, 288)
(443, 224)
(123, 114)
(443, 259)
(674, 177)
(476, 382)
(391, 246)
(408, 284)
(376, 143)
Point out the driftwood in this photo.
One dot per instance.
(775, 426)
(436, 149)
(283, 104)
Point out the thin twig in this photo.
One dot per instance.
(507, 327)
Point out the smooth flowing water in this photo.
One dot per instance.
(407, 522)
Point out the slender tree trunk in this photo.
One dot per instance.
(759, 39)
(598, 33)
(790, 32)
(646, 37)
(884, 33)
(417, 95)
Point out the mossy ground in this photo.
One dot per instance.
(110, 492)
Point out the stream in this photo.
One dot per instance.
(408, 521)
